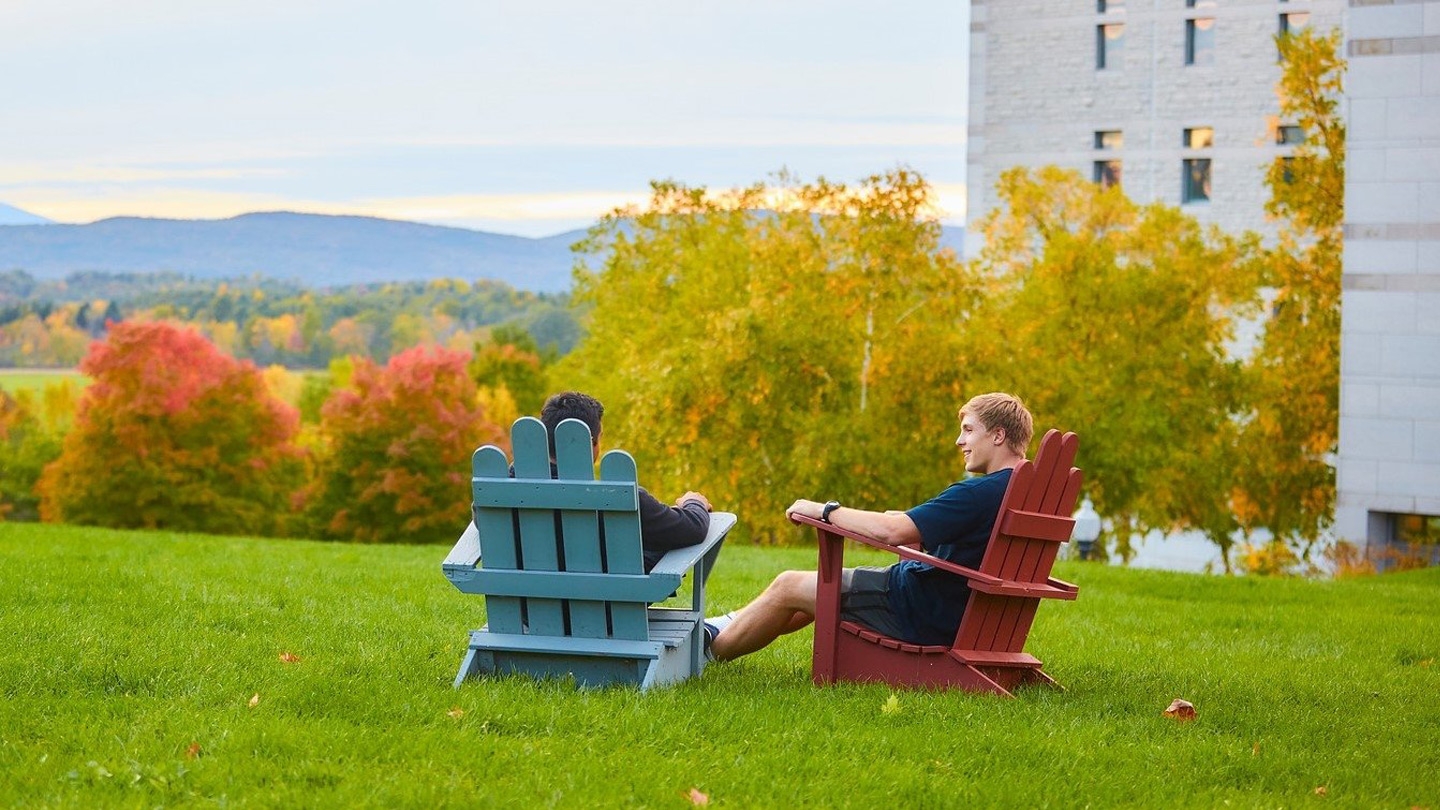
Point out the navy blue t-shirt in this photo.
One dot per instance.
(955, 526)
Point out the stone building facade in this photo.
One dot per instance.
(1389, 459)
(1179, 95)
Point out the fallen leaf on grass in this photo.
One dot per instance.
(456, 713)
(255, 700)
(192, 751)
(1425, 664)
(1181, 710)
(1322, 791)
(1255, 750)
(697, 798)
(891, 704)
(289, 658)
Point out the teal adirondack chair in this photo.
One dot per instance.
(559, 562)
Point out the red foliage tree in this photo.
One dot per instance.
(174, 434)
(397, 443)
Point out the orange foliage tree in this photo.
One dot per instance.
(174, 434)
(396, 444)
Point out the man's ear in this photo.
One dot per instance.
(1000, 435)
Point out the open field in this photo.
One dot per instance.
(145, 669)
(35, 379)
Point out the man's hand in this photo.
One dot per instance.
(697, 497)
(810, 509)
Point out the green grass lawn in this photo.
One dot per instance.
(145, 670)
(22, 379)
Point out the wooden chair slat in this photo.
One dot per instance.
(580, 523)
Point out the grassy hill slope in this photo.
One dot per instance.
(145, 669)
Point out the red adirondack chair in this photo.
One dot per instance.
(988, 653)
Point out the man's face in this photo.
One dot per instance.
(980, 446)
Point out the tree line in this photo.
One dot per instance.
(51, 323)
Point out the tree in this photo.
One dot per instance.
(775, 342)
(397, 440)
(31, 430)
(1113, 320)
(510, 359)
(173, 434)
(1288, 481)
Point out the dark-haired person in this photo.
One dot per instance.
(910, 600)
(662, 528)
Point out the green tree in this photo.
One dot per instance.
(1288, 482)
(510, 359)
(173, 434)
(396, 444)
(31, 430)
(1114, 320)
(775, 342)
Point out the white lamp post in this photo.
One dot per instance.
(1087, 528)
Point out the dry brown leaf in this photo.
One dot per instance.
(1322, 791)
(289, 658)
(1181, 710)
(697, 798)
(192, 751)
(255, 700)
(456, 713)
(1255, 750)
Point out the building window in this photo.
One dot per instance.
(1109, 46)
(1198, 138)
(1107, 173)
(1103, 6)
(1293, 21)
(1200, 41)
(1203, 3)
(1289, 135)
(1287, 170)
(1195, 180)
(1109, 139)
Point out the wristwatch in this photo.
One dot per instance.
(830, 506)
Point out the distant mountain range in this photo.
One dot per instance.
(314, 249)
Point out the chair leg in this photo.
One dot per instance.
(468, 667)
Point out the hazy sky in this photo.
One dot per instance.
(523, 116)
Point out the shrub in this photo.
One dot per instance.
(174, 434)
(396, 444)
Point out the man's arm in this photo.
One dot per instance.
(891, 528)
(664, 528)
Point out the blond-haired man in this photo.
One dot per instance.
(909, 600)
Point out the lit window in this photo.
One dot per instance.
(1195, 180)
(1109, 46)
(1109, 139)
(1288, 135)
(1198, 138)
(1200, 41)
(1107, 173)
(1293, 21)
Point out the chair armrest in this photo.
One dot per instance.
(903, 551)
(678, 561)
(466, 552)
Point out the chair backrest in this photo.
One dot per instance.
(557, 518)
(1034, 520)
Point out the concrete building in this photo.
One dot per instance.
(1173, 99)
(1389, 459)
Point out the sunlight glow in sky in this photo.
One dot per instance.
(529, 118)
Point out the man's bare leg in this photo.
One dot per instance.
(784, 607)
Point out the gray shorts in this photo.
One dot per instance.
(865, 600)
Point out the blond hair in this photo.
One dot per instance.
(1006, 412)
